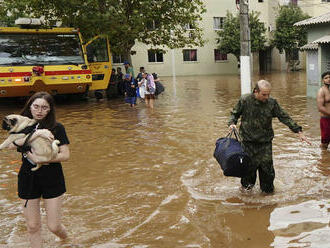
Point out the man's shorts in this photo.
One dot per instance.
(325, 130)
(46, 182)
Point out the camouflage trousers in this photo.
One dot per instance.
(262, 161)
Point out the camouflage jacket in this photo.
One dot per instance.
(256, 118)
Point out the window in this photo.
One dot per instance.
(260, 1)
(46, 49)
(190, 55)
(218, 56)
(97, 51)
(326, 1)
(218, 23)
(155, 56)
(117, 59)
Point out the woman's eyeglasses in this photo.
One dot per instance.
(38, 107)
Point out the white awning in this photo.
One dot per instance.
(325, 18)
(322, 40)
(309, 46)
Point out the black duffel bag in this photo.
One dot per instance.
(230, 155)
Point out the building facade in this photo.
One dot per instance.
(314, 7)
(208, 60)
(317, 50)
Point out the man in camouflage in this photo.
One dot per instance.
(257, 111)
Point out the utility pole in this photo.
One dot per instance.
(245, 58)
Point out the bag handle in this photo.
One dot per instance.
(235, 132)
(229, 135)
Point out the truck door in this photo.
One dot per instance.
(98, 56)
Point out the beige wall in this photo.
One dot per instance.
(314, 7)
(267, 10)
(205, 63)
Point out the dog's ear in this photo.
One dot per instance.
(13, 121)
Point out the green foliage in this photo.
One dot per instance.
(258, 32)
(286, 36)
(125, 21)
(229, 36)
(9, 19)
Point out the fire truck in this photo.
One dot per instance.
(34, 58)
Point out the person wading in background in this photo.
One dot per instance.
(323, 105)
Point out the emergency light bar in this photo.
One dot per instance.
(29, 21)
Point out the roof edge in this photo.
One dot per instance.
(325, 18)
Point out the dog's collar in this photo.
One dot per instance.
(26, 130)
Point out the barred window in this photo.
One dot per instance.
(117, 59)
(155, 56)
(218, 56)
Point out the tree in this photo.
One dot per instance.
(157, 23)
(286, 36)
(229, 36)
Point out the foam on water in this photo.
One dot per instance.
(208, 183)
(302, 225)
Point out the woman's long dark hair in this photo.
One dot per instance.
(49, 121)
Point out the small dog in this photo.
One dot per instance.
(40, 146)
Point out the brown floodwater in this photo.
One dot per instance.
(141, 178)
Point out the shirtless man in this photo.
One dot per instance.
(323, 105)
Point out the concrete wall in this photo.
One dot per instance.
(317, 31)
(313, 74)
(317, 61)
(206, 63)
(314, 7)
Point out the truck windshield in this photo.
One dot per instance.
(45, 49)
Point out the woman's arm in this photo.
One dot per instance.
(62, 155)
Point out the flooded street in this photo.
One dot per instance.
(141, 178)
